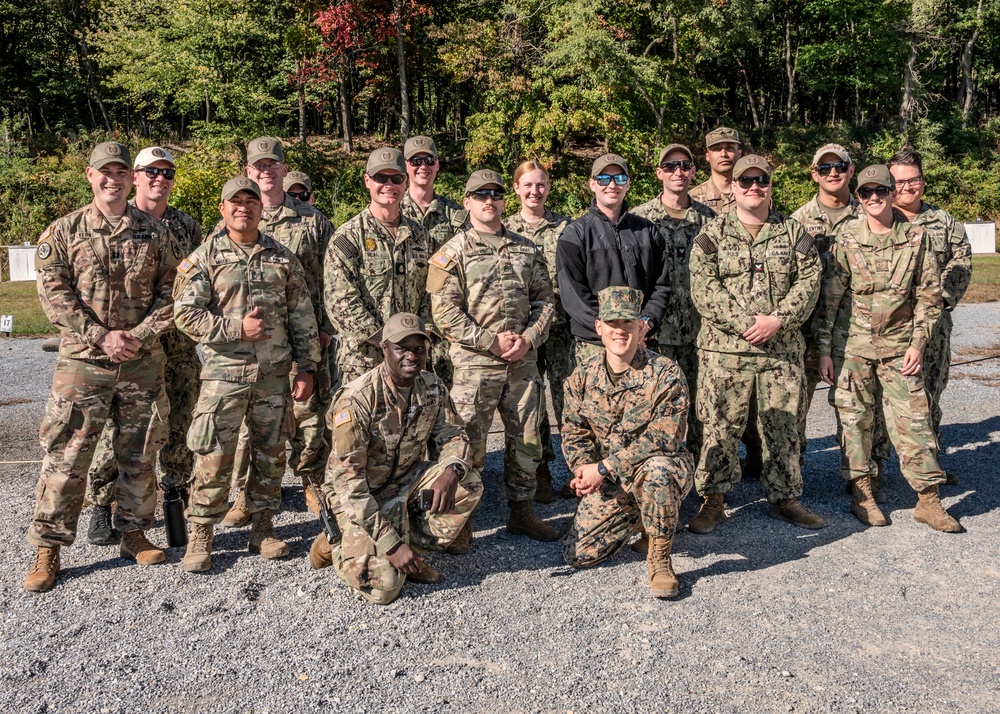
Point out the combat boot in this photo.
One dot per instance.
(262, 538)
(863, 504)
(100, 531)
(238, 516)
(543, 484)
(427, 575)
(136, 546)
(198, 557)
(567, 490)
(711, 513)
(929, 510)
(877, 493)
(44, 570)
(463, 541)
(312, 502)
(662, 580)
(320, 553)
(792, 510)
(641, 545)
(524, 521)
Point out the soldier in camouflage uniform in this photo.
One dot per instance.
(953, 253)
(378, 471)
(298, 185)
(555, 357)
(882, 296)
(104, 276)
(245, 298)
(680, 218)
(754, 279)
(624, 443)
(492, 299)
(153, 177)
(722, 151)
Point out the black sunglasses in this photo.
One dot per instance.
(746, 182)
(671, 166)
(482, 194)
(825, 169)
(425, 160)
(394, 179)
(865, 193)
(605, 179)
(303, 196)
(153, 172)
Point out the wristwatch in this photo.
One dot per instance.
(602, 469)
(459, 469)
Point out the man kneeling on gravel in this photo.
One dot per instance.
(625, 419)
(391, 505)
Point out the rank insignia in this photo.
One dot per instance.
(758, 267)
(369, 244)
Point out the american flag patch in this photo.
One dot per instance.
(441, 260)
(185, 265)
(342, 418)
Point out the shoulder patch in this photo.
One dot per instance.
(442, 260)
(44, 249)
(176, 249)
(349, 250)
(186, 265)
(705, 243)
(45, 234)
(342, 418)
(805, 244)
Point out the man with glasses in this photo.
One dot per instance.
(609, 245)
(298, 186)
(492, 299)
(953, 253)
(755, 279)
(153, 175)
(722, 151)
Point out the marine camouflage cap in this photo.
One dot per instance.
(482, 179)
(721, 135)
(619, 302)
(265, 147)
(385, 158)
(674, 147)
(296, 177)
(750, 161)
(240, 183)
(419, 145)
(402, 325)
(877, 174)
(836, 149)
(151, 154)
(605, 161)
(110, 152)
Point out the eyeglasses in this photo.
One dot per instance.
(303, 196)
(605, 179)
(394, 179)
(153, 172)
(746, 182)
(825, 169)
(914, 182)
(416, 161)
(265, 168)
(671, 166)
(482, 194)
(881, 191)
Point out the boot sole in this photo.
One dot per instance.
(269, 556)
(236, 524)
(110, 540)
(705, 530)
(949, 529)
(154, 560)
(196, 567)
(778, 516)
(665, 593)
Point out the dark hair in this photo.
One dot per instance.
(907, 157)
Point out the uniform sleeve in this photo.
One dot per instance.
(927, 294)
(446, 285)
(836, 280)
(303, 331)
(579, 442)
(578, 300)
(345, 305)
(192, 314)
(325, 236)
(159, 319)
(659, 272)
(450, 434)
(795, 307)
(957, 274)
(710, 297)
(543, 303)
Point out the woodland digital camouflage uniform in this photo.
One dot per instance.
(881, 295)
(481, 285)
(94, 278)
(733, 278)
(708, 194)
(243, 380)
(378, 468)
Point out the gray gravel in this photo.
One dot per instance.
(770, 618)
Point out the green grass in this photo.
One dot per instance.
(985, 285)
(21, 301)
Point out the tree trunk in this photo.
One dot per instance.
(791, 66)
(967, 68)
(909, 103)
(345, 114)
(92, 81)
(404, 89)
(750, 99)
(302, 104)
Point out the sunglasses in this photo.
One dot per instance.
(394, 179)
(153, 172)
(303, 196)
(416, 161)
(671, 166)
(881, 191)
(605, 179)
(482, 194)
(746, 182)
(825, 169)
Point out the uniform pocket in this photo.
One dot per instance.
(158, 431)
(203, 434)
(283, 426)
(58, 424)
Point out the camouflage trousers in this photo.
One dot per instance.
(726, 385)
(555, 361)
(606, 519)
(906, 410)
(514, 390)
(363, 564)
(180, 375)
(85, 394)
(686, 357)
(582, 351)
(223, 407)
(936, 364)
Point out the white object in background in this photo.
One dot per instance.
(982, 236)
(22, 263)
(7, 323)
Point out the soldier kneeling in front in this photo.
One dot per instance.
(390, 503)
(625, 418)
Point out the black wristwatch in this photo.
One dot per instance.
(459, 469)
(602, 469)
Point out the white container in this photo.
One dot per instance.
(982, 236)
(22, 263)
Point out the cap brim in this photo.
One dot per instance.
(101, 163)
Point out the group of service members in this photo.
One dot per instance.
(380, 352)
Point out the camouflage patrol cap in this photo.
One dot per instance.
(674, 147)
(240, 183)
(385, 158)
(110, 152)
(836, 149)
(296, 177)
(605, 161)
(401, 325)
(264, 147)
(877, 174)
(419, 145)
(721, 135)
(151, 154)
(482, 179)
(750, 161)
(619, 302)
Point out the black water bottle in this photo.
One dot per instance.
(173, 519)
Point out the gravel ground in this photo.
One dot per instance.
(770, 617)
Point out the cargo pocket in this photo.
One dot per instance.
(158, 431)
(59, 423)
(356, 552)
(283, 427)
(203, 434)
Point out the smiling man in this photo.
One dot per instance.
(722, 151)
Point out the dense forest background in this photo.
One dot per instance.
(494, 82)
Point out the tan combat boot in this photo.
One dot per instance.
(792, 510)
(929, 510)
(877, 493)
(198, 557)
(711, 513)
(524, 521)
(321, 553)
(262, 538)
(44, 570)
(427, 575)
(863, 503)
(312, 502)
(662, 580)
(543, 484)
(135, 545)
(642, 544)
(238, 516)
(463, 541)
